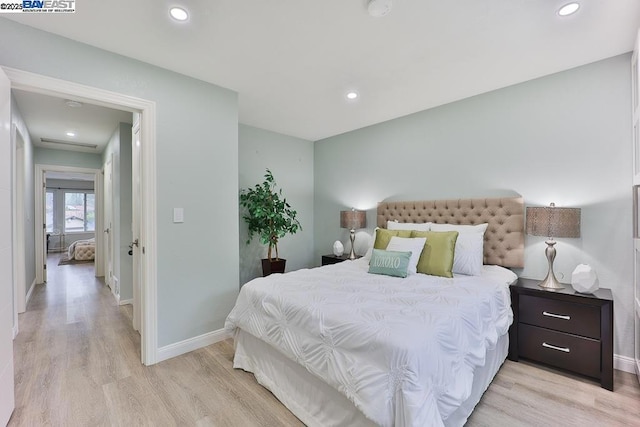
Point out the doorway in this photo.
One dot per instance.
(145, 252)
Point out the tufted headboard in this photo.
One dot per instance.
(504, 238)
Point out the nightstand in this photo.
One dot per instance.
(563, 329)
(334, 259)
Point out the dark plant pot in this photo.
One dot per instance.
(273, 266)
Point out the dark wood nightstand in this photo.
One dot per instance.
(334, 259)
(563, 329)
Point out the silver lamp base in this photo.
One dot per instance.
(352, 236)
(550, 282)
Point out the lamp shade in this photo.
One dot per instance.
(353, 219)
(551, 221)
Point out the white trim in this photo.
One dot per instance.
(30, 292)
(15, 331)
(125, 301)
(31, 82)
(624, 363)
(191, 344)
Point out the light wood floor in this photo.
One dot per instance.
(77, 363)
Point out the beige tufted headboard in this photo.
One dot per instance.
(504, 238)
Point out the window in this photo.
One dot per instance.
(49, 211)
(79, 211)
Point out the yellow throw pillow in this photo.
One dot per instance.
(437, 256)
(383, 237)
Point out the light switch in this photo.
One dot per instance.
(178, 215)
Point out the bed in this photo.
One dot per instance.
(82, 250)
(340, 346)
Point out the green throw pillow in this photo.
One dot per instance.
(390, 263)
(383, 237)
(437, 256)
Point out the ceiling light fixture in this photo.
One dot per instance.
(70, 133)
(569, 9)
(379, 8)
(352, 95)
(73, 104)
(178, 13)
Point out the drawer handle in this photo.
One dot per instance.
(553, 347)
(557, 316)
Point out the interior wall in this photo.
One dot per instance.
(119, 147)
(290, 160)
(47, 156)
(564, 138)
(197, 170)
(29, 198)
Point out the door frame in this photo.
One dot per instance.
(19, 264)
(37, 83)
(39, 194)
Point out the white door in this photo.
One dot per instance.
(7, 401)
(108, 220)
(136, 193)
(635, 97)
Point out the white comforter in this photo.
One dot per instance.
(402, 350)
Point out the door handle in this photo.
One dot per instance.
(106, 230)
(135, 242)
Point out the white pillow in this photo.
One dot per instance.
(413, 245)
(372, 241)
(393, 225)
(469, 253)
(460, 228)
(468, 256)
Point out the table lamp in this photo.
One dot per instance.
(353, 220)
(552, 222)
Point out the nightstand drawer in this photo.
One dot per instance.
(577, 354)
(562, 316)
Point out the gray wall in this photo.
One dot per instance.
(29, 199)
(564, 138)
(119, 147)
(197, 169)
(47, 156)
(291, 161)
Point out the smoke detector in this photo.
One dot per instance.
(378, 8)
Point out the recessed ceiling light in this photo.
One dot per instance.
(352, 95)
(70, 133)
(568, 9)
(178, 13)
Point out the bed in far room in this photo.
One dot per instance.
(82, 250)
(340, 346)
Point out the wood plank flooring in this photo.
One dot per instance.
(77, 363)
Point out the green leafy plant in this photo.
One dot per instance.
(268, 214)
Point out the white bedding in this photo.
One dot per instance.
(402, 350)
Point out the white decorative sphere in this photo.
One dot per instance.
(338, 249)
(584, 279)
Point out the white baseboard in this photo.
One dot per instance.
(28, 297)
(125, 301)
(182, 347)
(624, 363)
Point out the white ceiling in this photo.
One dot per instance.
(291, 61)
(50, 118)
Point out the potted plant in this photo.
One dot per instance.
(269, 216)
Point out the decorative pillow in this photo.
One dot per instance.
(405, 244)
(437, 256)
(469, 255)
(394, 225)
(384, 236)
(372, 240)
(390, 263)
